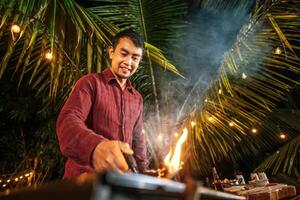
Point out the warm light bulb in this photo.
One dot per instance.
(49, 56)
(231, 124)
(8, 180)
(21, 177)
(277, 51)
(26, 175)
(206, 100)
(254, 130)
(282, 136)
(176, 134)
(15, 29)
(193, 123)
(244, 76)
(30, 173)
(220, 91)
(160, 137)
(4, 185)
(16, 179)
(210, 118)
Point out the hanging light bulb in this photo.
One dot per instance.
(231, 124)
(283, 136)
(193, 123)
(220, 91)
(49, 55)
(15, 28)
(244, 76)
(254, 130)
(277, 51)
(160, 137)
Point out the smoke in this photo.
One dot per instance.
(210, 34)
(197, 54)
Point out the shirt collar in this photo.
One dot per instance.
(110, 78)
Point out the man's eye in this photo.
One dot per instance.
(135, 58)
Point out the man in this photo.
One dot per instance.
(102, 118)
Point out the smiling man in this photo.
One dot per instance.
(102, 118)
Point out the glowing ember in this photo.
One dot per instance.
(173, 161)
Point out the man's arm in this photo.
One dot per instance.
(76, 140)
(139, 143)
(82, 144)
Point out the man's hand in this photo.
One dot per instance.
(108, 155)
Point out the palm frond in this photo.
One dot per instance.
(284, 160)
(157, 21)
(74, 36)
(253, 78)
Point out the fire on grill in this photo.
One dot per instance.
(172, 162)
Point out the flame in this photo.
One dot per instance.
(173, 161)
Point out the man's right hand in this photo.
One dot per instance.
(108, 155)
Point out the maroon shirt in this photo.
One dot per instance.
(98, 110)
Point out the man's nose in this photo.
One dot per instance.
(128, 60)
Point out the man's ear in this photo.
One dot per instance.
(110, 52)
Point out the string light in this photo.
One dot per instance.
(244, 76)
(231, 124)
(283, 136)
(193, 123)
(15, 29)
(49, 55)
(220, 91)
(205, 100)
(254, 130)
(160, 137)
(15, 179)
(277, 51)
(210, 118)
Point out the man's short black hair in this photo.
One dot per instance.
(132, 35)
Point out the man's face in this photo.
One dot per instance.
(125, 58)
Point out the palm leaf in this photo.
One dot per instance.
(284, 160)
(157, 21)
(252, 80)
(77, 43)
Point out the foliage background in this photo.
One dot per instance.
(212, 43)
